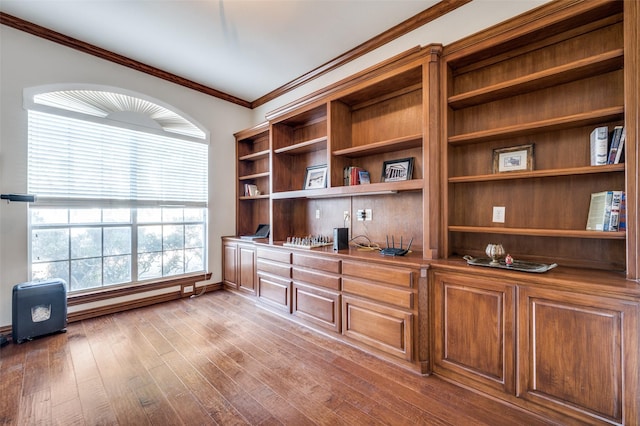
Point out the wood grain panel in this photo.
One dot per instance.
(385, 274)
(275, 291)
(247, 264)
(275, 268)
(386, 329)
(385, 294)
(474, 331)
(318, 278)
(318, 306)
(316, 262)
(575, 356)
(229, 264)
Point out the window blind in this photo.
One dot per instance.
(71, 160)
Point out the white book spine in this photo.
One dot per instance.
(599, 146)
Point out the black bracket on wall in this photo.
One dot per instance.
(21, 198)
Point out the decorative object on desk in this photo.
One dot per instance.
(308, 242)
(316, 177)
(508, 260)
(495, 252)
(513, 159)
(393, 251)
(516, 265)
(397, 170)
(599, 145)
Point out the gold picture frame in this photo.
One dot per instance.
(513, 159)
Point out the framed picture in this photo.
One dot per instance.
(513, 159)
(316, 177)
(397, 170)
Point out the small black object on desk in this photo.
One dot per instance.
(393, 251)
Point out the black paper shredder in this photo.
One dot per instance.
(39, 308)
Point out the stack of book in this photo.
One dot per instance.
(250, 190)
(607, 148)
(354, 175)
(607, 211)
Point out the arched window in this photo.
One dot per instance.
(121, 186)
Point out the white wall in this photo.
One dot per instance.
(27, 61)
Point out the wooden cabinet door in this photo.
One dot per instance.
(317, 305)
(382, 327)
(229, 264)
(275, 291)
(247, 268)
(578, 354)
(474, 331)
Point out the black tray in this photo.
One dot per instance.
(518, 265)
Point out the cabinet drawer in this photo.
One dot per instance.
(381, 327)
(380, 293)
(314, 262)
(317, 278)
(275, 255)
(275, 291)
(386, 274)
(318, 306)
(278, 269)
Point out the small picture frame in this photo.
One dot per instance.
(397, 170)
(316, 177)
(513, 159)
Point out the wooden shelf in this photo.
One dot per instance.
(255, 156)
(254, 176)
(576, 70)
(540, 173)
(566, 233)
(392, 145)
(558, 123)
(354, 190)
(305, 146)
(255, 197)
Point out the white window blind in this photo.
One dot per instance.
(72, 160)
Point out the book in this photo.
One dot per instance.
(620, 151)
(614, 217)
(364, 177)
(599, 145)
(250, 190)
(615, 142)
(355, 173)
(351, 175)
(622, 218)
(599, 211)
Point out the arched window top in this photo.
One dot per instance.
(113, 105)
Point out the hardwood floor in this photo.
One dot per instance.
(219, 359)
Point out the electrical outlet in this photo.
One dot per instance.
(360, 215)
(498, 214)
(345, 216)
(317, 213)
(368, 214)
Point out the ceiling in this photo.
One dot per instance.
(244, 48)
